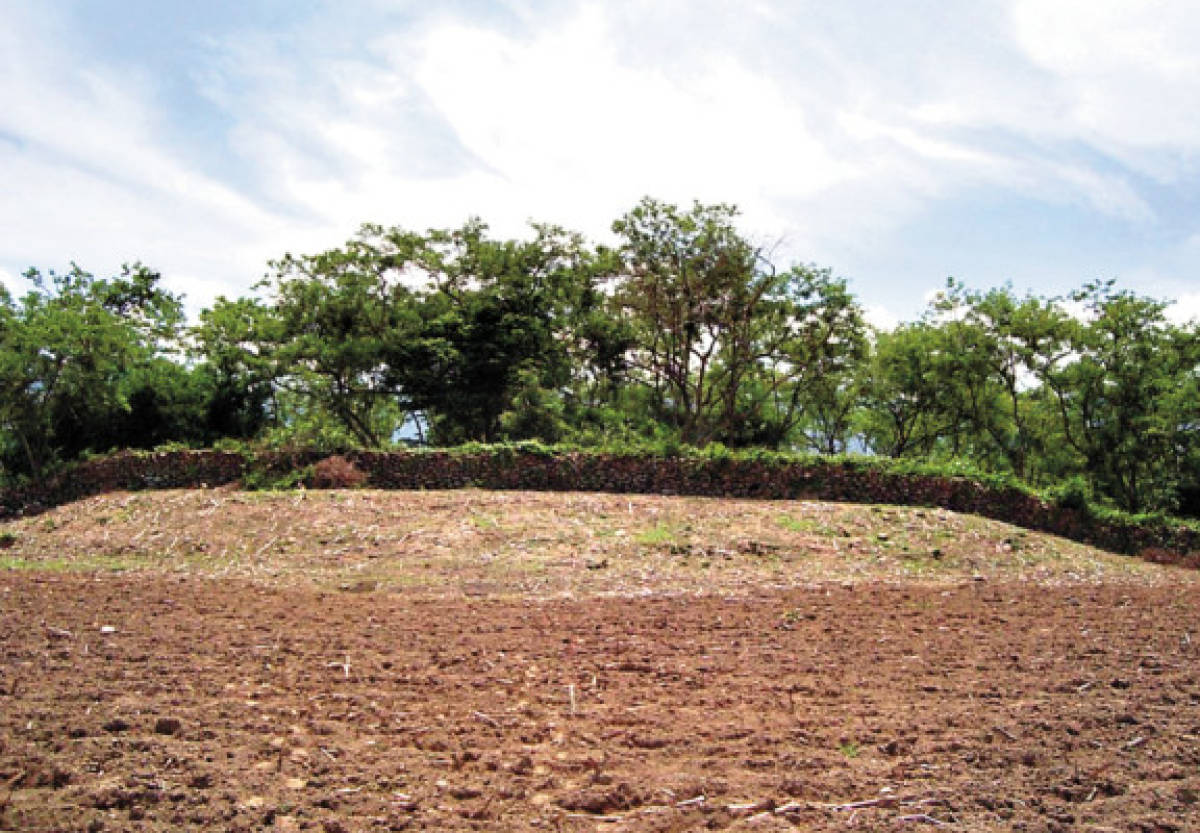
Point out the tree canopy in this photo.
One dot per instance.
(684, 331)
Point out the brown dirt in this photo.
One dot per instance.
(251, 692)
(530, 544)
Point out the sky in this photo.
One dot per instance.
(1042, 143)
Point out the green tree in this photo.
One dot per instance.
(228, 341)
(995, 348)
(730, 348)
(907, 410)
(504, 328)
(67, 348)
(1127, 398)
(327, 336)
(458, 333)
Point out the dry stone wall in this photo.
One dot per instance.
(505, 468)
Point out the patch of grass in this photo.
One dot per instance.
(916, 567)
(849, 749)
(106, 564)
(803, 525)
(659, 535)
(484, 522)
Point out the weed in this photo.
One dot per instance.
(658, 535)
(337, 473)
(798, 524)
(8, 540)
(850, 749)
(111, 564)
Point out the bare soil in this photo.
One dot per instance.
(478, 661)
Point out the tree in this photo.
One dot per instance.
(1127, 399)
(240, 375)
(451, 329)
(730, 348)
(996, 347)
(502, 325)
(907, 409)
(328, 333)
(66, 348)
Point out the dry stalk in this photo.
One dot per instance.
(1000, 730)
(922, 818)
(483, 718)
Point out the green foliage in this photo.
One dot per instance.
(729, 348)
(71, 352)
(1073, 493)
(265, 474)
(683, 342)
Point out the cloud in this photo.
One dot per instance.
(1127, 76)
(1186, 309)
(881, 318)
(843, 130)
(10, 282)
(89, 178)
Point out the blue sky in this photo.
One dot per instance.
(1038, 142)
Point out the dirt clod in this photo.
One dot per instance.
(168, 726)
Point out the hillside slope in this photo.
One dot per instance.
(545, 544)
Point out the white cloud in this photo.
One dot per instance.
(569, 127)
(881, 318)
(837, 128)
(1127, 74)
(1186, 309)
(10, 281)
(89, 178)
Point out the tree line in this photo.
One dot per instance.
(684, 332)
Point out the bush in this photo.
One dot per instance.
(1073, 493)
(336, 472)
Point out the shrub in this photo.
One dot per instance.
(336, 472)
(1073, 493)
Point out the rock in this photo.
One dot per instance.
(168, 726)
(621, 797)
(117, 724)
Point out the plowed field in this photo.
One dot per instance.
(476, 661)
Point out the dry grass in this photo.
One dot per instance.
(543, 544)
